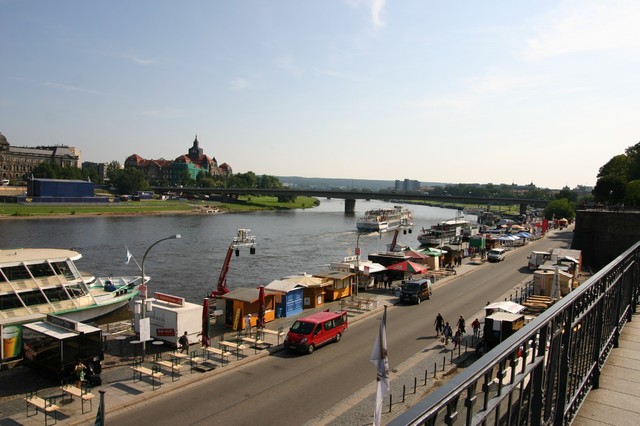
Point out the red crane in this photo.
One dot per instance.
(243, 239)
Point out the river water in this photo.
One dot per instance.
(287, 242)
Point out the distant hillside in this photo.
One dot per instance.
(338, 183)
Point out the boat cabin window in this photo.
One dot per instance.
(15, 273)
(62, 268)
(41, 270)
(76, 290)
(32, 298)
(9, 301)
(55, 294)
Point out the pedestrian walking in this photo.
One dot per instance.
(457, 339)
(385, 281)
(184, 343)
(460, 324)
(439, 323)
(476, 327)
(247, 325)
(447, 333)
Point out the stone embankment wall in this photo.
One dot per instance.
(603, 235)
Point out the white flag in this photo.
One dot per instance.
(129, 256)
(381, 362)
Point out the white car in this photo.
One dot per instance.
(496, 255)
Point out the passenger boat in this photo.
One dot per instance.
(40, 281)
(381, 220)
(451, 231)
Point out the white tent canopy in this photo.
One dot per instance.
(511, 307)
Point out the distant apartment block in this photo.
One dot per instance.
(407, 185)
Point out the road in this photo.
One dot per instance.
(289, 389)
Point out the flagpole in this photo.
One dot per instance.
(381, 362)
(100, 416)
(134, 259)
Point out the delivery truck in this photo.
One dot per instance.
(169, 317)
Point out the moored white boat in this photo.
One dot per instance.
(385, 219)
(41, 281)
(448, 231)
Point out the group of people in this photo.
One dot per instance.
(445, 332)
(387, 282)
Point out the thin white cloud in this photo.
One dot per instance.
(286, 63)
(376, 13)
(138, 60)
(578, 26)
(375, 8)
(239, 84)
(69, 88)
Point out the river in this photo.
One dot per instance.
(287, 242)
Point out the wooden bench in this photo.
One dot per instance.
(170, 365)
(220, 352)
(83, 394)
(258, 344)
(139, 370)
(279, 334)
(45, 404)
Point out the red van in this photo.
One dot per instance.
(308, 333)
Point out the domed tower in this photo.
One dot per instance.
(4, 143)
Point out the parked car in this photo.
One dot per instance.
(307, 333)
(416, 291)
(496, 255)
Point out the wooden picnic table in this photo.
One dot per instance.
(231, 345)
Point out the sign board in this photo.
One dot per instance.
(145, 329)
(62, 322)
(165, 332)
(169, 298)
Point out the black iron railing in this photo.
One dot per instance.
(541, 374)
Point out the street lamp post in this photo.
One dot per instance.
(143, 308)
(358, 263)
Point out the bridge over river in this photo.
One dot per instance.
(350, 197)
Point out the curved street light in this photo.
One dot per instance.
(144, 292)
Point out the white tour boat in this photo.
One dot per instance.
(41, 281)
(385, 219)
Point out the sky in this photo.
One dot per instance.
(542, 92)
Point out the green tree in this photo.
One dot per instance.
(617, 166)
(609, 188)
(633, 153)
(113, 170)
(568, 194)
(46, 170)
(559, 209)
(632, 193)
(130, 180)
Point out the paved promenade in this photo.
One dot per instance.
(122, 391)
(617, 400)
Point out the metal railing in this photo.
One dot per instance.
(542, 374)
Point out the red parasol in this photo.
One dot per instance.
(206, 340)
(261, 307)
(408, 266)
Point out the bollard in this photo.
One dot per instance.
(452, 356)
(390, 401)
(444, 360)
(425, 376)
(415, 385)
(435, 367)
(404, 392)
